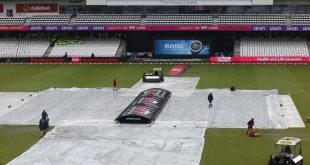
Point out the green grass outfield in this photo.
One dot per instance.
(15, 139)
(222, 146)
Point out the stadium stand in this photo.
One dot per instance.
(8, 48)
(32, 48)
(12, 20)
(250, 47)
(61, 19)
(300, 19)
(183, 19)
(252, 19)
(162, 19)
(107, 19)
(23, 48)
(85, 48)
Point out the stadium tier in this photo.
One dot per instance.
(300, 19)
(108, 19)
(32, 48)
(179, 19)
(85, 48)
(277, 48)
(12, 20)
(73, 48)
(252, 19)
(23, 48)
(8, 48)
(61, 19)
(160, 19)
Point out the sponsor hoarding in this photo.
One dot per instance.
(37, 8)
(223, 59)
(75, 59)
(181, 47)
(64, 28)
(47, 60)
(281, 28)
(181, 28)
(14, 28)
(284, 59)
(99, 60)
(163, 28)
(140, 28)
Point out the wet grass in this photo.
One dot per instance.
(232, 146)
(16, 139)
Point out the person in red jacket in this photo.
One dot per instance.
(115, 85)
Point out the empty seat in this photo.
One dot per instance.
(12, 20)
(252, 19)
(62, 19)
(252, 47)
(179, 19)
(85, 48)
(300, 19)
(23, 48)
(108, 19)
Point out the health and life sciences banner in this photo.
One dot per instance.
(262, 59)
(181, 47)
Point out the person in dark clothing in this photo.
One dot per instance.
(250, 126)
(66, 55)
(115, 85)
(43, 125)
(210, 98)
(288, 150)
(44, 115)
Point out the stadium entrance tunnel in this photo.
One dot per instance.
(145, 107)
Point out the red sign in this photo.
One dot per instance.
(99, 60)
(148, 100)
(177, 70)
(140, 110)
(223, 59)
(13, 28)
(1, 8)
(47, 60)
(75, 59)
(36, 8)
(284, 59)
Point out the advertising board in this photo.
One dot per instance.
(181, 47)
(37, 8)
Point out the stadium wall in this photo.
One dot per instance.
(96, 2)
(188, 2)
(262, 2)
